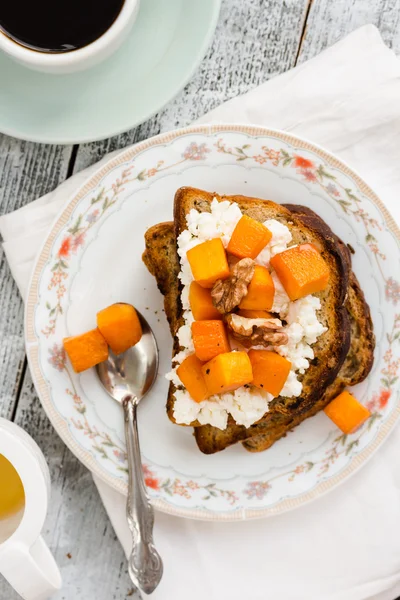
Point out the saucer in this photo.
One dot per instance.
(167, 43)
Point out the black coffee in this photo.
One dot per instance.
(57, 25)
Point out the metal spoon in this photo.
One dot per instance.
(127, 378)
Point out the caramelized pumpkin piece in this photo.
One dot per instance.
(347, 412)
(301, 270)
(208, 262)
(260, 292)
(86, 350)
(270, 370)
(248, 238)
(255, 314)
(191, 374)
(120, 326)
(209, 339)
(201, 303)
(227, 372)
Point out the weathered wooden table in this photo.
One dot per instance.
(254, 40)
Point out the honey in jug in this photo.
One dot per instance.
(12, 495)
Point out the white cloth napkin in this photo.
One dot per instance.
(346, 545)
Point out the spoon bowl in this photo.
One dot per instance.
(134, 371)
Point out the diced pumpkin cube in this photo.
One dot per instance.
(120, 326)
(86, 350)
(201, 303)
(191, 374)
(208, 262)
(260, 292)
(227, 372)
(248, 238)
(255, 314)
(209, 339)
(347, 412)
(270, 370)
(301, 270)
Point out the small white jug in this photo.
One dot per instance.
(25, 560)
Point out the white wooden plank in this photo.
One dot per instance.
(26, 171)
(328, 21)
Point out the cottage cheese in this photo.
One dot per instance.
(281, 299)
(245, 405)
(303, 328)
(292, 387)
(281, 237)
(203, 226)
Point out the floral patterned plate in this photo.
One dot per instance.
(92, 258)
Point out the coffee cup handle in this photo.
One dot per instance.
(32, 572)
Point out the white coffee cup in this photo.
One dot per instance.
(25, 560)
(75, 60)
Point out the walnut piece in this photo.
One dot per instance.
(256, 332)
(228, 293)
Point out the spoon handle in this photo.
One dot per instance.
(145, 564)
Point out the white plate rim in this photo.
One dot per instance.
(61, 427)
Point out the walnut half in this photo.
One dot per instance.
(256, 332)
(228, 293)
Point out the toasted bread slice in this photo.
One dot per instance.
(162, 260)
